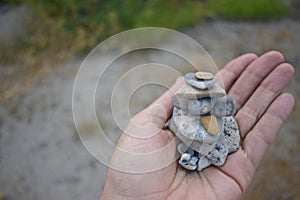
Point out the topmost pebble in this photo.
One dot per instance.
(204, 75)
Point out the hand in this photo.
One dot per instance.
(256, 85)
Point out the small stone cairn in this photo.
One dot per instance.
(203, 121)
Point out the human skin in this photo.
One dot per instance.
(256, 84)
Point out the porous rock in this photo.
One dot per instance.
(218, 155)
(231, 134)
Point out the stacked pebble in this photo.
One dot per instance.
(203, 121)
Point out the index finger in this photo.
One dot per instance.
(230, 73)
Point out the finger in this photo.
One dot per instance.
(267, 91)
(259, 139)
(161, 109)
(253, 75)
(228, 75)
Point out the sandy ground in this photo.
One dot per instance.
(41, 156)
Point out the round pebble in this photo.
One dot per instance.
(200, 106)
(224, 106)
(188, 161)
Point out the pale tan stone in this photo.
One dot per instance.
(210, 123)
(189, 92)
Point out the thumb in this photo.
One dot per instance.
(161, 109)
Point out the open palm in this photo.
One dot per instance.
(256, 85)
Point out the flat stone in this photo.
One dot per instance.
(187, 126)
(204, 75)
(187, 92)
(189, 130)
(199, 84)
(194, 145)
(210, 123)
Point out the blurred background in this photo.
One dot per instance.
(42, 44)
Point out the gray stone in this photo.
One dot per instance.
(203, 163)
(200, 84)
(188, 126)
(175, 102)
(193, 161)
(200, 106)
(224, 106)
(172, 126)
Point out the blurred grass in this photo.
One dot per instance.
(63, 29)
(248, 10)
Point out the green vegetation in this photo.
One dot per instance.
(245, 10)
(77, 26)
(62, 29)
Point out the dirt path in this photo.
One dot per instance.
(41, 156)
